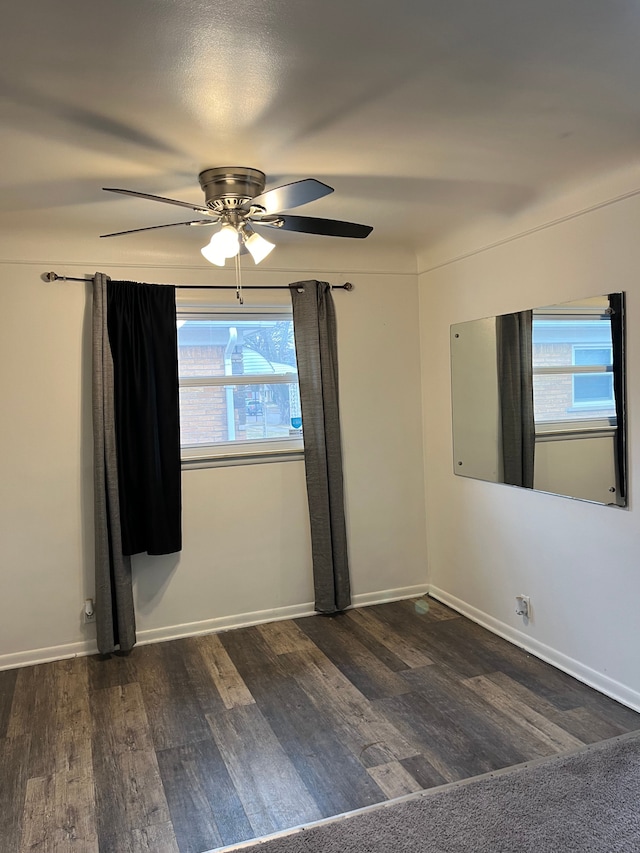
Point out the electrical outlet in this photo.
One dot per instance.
(523, 606)
(89, 611)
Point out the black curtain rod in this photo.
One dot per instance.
(52, 276)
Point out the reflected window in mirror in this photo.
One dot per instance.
(538, 399)
(572, 354)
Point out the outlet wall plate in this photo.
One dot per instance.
(89, 611)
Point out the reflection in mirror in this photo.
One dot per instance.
(538, 399)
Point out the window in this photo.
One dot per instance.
(593, 390)
(239, 394)
(573, 372)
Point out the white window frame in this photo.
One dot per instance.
(247, 452)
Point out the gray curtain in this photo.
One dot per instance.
(115, 617)
(314, 323)
(515, 386)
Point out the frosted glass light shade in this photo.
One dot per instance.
(224, 244)
(258, 247)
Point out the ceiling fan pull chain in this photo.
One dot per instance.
(238, 280)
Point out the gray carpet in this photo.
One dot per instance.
(588, 801)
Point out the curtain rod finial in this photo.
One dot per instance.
(49, 276)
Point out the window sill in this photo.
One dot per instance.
(574, 434)
(243, 458)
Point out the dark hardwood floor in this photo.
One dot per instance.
(193, 744)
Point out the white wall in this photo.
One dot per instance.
(246, 538)
(489, 542)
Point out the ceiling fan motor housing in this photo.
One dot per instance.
(228, 188)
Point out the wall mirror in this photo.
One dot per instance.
(538, 399)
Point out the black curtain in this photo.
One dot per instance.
(515, 388)
(136, 443)
(314, 325)
(616, 304)
(143, 341)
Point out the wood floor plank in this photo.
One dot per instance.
(129, 791)
(366, 733)
(534, 700)
(159, 838)
(75, 812)
(423, 771)
(37, 815)
(272, 793)
(584, 723)
(426, 607)
(59, 815)
(501, 736)
(60, 806)
(33, 712)
(172, 708)
(202, 687)
(226, 678)
(392, 640)
(394, 779)
(363, 668)
(588, 726)
(449, 746)
(111, 670)
(437, 638)
(306, 734)
(555, 737)
(120, 720)
(8, 678)
(353, 630)
(14, 760)
(72, 714)
(285, 637)
(204, 804)
(494, 654)
(616, 713)
(511, 740)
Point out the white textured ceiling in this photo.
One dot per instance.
(423, 114)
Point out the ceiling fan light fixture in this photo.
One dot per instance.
(224, 244)
(258, 247)
(235, 198)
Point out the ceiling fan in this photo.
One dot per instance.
(235, 199)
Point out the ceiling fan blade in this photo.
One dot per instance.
(312, 225)
(169, 225)
(186, 204)
(291, 195)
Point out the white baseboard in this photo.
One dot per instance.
(364, 599)
(614, 689)
(30, 657)
(207, 626)
(224, 623)
(276, 614)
